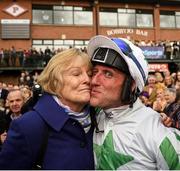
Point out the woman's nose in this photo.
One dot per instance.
(86, 77)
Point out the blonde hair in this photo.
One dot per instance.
(51, 78)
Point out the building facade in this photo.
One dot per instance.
(56, 23)
(27, 24)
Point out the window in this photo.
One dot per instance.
(126, 17)
(37, 42)
(58, 44)
(62, 15)
(48, 42)
(79, 42)
(177, 19)
(108, 17)
(167, 19)
(42, 15)
(83, 16)
(144, 18)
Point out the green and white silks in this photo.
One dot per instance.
(133, 139)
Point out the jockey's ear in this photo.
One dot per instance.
(133, 86)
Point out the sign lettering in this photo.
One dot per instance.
(127, 31)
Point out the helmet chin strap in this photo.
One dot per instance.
(134, 95)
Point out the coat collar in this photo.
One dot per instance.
(53, 114)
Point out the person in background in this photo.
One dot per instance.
(151, 88)
(130, 136)
(10, 86)
(2, 105)
(1, 57)
(144, 97)
(177, 80)
(15, 101)
(2, 122)
(160, 103)
(159, 80)
(169, 82)
(3, 92)
(178, 96)
(13, 56)
(22, 78)
(166, 72)
(35, 77)
(27, 92)
(61, 119)
(171, 113)
(36, 93)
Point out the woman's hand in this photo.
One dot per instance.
(167, 121)
(3, 137)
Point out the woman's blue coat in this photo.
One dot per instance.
(68, 146)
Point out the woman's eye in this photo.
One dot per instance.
(76, 73)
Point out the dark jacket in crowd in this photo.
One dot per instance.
(173, 111)
(30, 103)
(5, 121)
(68, 146)
(3, 94)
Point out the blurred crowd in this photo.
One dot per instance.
(171, 48)
(39, 57)
(28, 58)
(16, 99)
(162, 93)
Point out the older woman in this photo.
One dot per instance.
(58, 131)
